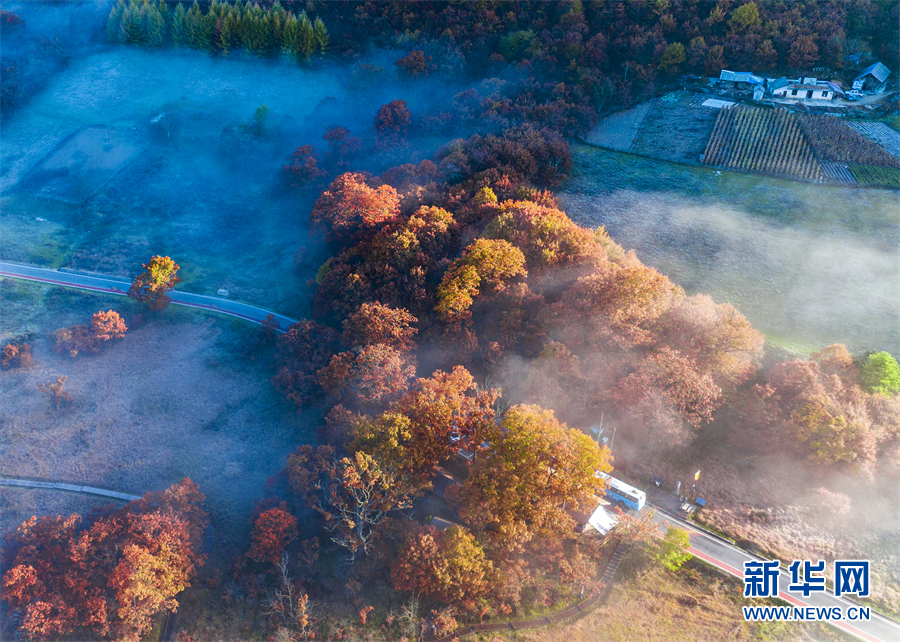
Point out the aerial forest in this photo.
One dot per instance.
(463, 327)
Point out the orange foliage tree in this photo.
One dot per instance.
(81, 338)
(535, 466)
(16, 356)
(377, 323)
(449, 566)
(428, 424)
(108, 325)
(350, 207)
(153, 285)
(484, 266)
(108, 577)
(353, 494)
(273, 531)
(367, 374)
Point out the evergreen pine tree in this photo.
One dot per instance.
(307, 38)
(227, 35)
(246, 31)
(167, 20)
(113, 23)
(290, 38)
(156, 27)
(321, 34)
(193, 28)
(179, 36)
(208, 31)
(279, 17)
(266, 41)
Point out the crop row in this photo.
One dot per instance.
(881, 134)
(876, 176)
(761, 140)
(833, 140)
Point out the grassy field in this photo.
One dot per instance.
(656, 605)
(175, 398)
(809, 264)
(199, 189)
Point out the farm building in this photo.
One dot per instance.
(739, 79)
(871, 77)
(776, 83)
(601, 520)
(805, 92)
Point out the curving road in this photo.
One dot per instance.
(730, 559)
(115, 285)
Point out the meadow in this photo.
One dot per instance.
(808, 265)
(205, 190)
(178, 396)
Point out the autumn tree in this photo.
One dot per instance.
(341, 145)
(16, 356)
(415, 64)
(302, 351)
(393, 118)
(617, 306)
(54, 390)
(744, 18)
(108, 325)
(715, 60)
(75, 340)
(368, 373)
(666, 397)
(534, 468)
(485, 266)
(803, 53)
(836, 360)
(353, 494)
(153, 285)
(107, 577)
(672, 57)
(431, 422)
(717, 337)
(349, 207)
(273, 531)
(303, 167)
(376, 323)
(766, 55)
(802, 409)
(449, 566)
(547, 237)
(398, 268)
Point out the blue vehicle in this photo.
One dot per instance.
(619, 491)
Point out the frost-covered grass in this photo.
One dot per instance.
(202, 191)
(173, 399)
(810, 264)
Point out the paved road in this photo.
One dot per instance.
(115, 285)
(730, 559)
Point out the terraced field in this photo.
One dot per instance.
(881, 134)
(769, 141)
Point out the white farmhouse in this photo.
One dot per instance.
(805, 92)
